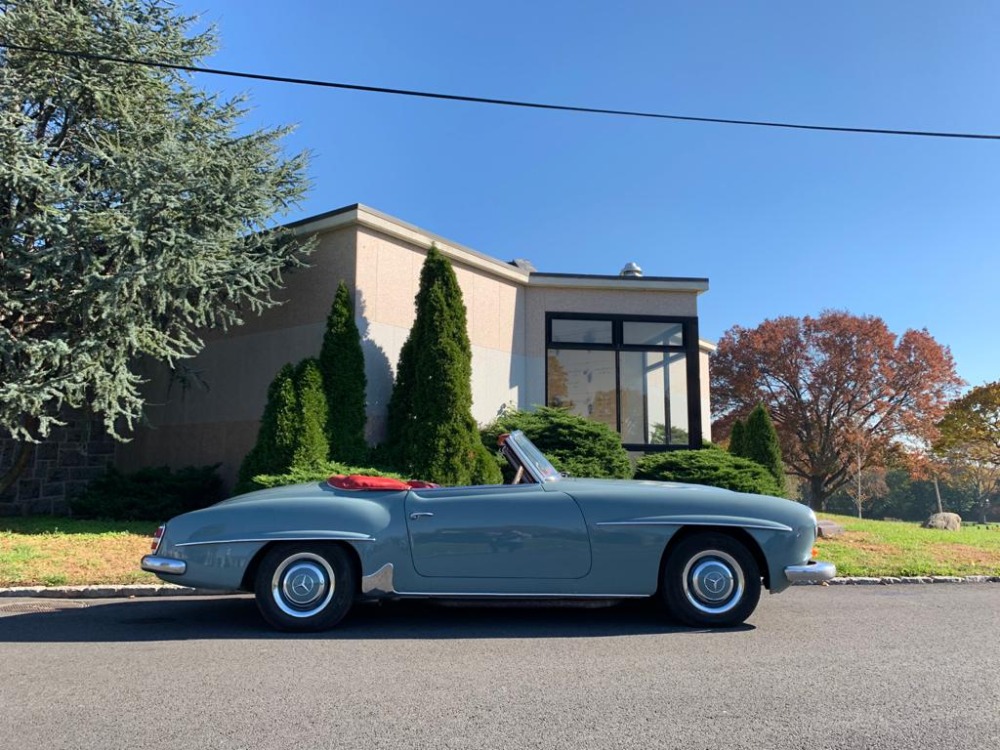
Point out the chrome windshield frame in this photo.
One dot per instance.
(532, 459)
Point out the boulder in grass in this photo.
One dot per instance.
(947, 521)
(828, 529)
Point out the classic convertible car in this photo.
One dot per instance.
(309, 551)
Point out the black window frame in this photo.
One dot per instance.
(690, 347)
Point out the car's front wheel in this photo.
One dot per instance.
(710, 580)
(305, 587)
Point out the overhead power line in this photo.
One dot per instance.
(488, 100)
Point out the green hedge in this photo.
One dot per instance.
(319, 474)
(576, 446)
(715, 468)
(152, 494)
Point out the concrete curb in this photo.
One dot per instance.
(144, 590)
(108, 592)
(890, 580)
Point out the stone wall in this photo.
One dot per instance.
(58, 468)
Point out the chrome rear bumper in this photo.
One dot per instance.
(813, 571)
(169, 565)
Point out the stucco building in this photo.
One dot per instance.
(620, 348)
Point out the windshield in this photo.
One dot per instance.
(538, 464)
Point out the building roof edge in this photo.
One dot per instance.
(362, 215)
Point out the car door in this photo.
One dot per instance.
(506, 531)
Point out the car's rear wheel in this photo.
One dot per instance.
(710, 580)
(305, 587)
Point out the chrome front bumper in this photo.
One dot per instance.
(813, 571)
(168, 565)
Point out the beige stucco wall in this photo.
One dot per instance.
(706, 406)
(388, 277)
(219, 422)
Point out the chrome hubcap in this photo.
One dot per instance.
(713, 582)
(303, 584)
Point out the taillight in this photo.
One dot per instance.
(157, 538)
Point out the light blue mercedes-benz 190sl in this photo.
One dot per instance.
(308, 552)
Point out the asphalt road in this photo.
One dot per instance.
(840, 667)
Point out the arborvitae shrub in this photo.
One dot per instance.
(342, 363)
(151, 494)
(272, 453)
(432, 434)
(311, 448)
(738, 439)
(762, 446)
(575, 445)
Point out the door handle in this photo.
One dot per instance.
(415, 516)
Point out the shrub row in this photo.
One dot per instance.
(575, 445)
(710, 466)
(151, 494)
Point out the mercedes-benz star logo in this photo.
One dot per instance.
(715, 582)
(303, 584)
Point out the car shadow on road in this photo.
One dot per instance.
(236, 617)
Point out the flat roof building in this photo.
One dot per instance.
(621, 348)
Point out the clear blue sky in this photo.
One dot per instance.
(781, 222)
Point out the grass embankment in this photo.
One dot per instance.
(64, 552)
(897, 548)
(61, 551)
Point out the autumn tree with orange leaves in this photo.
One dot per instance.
(829, 382)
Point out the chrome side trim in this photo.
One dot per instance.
(765, 525)
(313, 538)
(379, 582)
(168, 565)
(813, 571)
(535, 595)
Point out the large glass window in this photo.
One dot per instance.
(583, 381)
(630, 373)
(644, 333)
(581, 331)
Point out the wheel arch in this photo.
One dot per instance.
(734, 532)
(250, 574)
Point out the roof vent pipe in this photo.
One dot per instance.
(631, 271)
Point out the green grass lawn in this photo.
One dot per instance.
(897, 548)
(43, 551)
(60, 551)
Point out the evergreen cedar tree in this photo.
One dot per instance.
(273, 451)
(710, 466)
(431, 432)
(138, 209)
(342, 362)
(760, 441)
(757, 440)
(737, 438)
(292, 432)
(310, 448)
(829, 381)
(575, 445)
